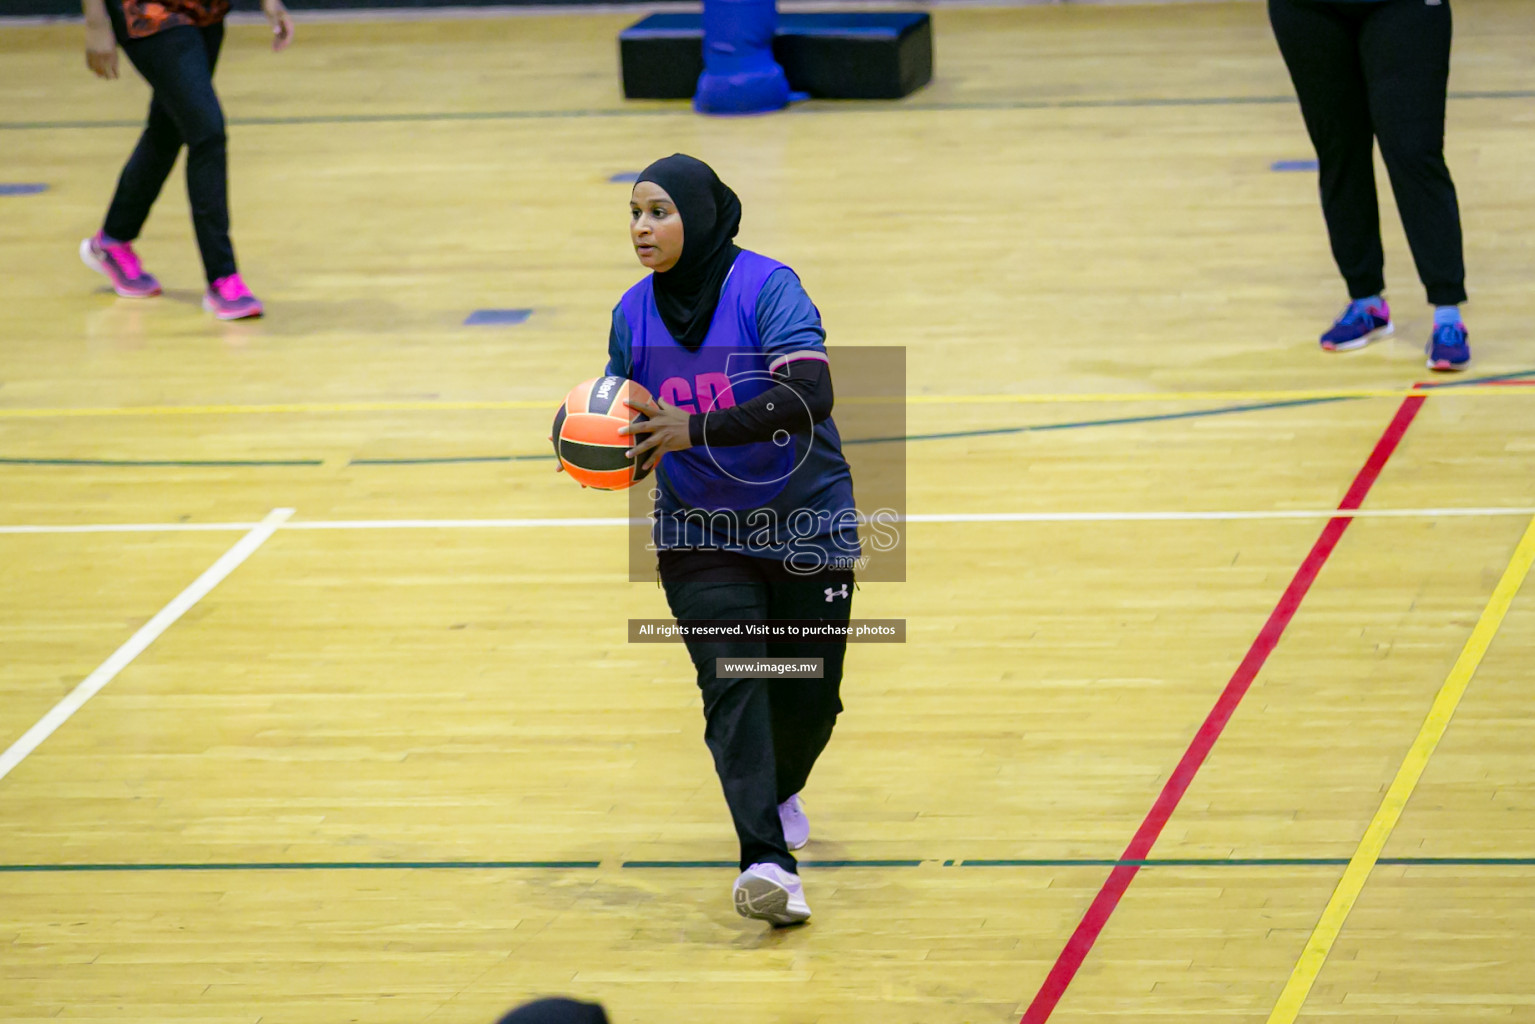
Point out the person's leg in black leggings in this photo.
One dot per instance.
(805, 710)
(738, 713)
(150, 164)
(178, 64)
(1405, 47)
(143, 176)
(1320, 44)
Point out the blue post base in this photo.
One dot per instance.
(740, 75)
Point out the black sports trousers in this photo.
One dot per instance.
(765, 734)
(178, 64)
(1378, 71)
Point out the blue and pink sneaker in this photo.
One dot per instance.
(1363, 321)
(228, 299)
(120, 264)
(1448, 349)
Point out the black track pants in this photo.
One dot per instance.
(1378, 71)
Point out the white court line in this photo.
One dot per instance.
(147, 634)
(462, 524)
(954, 517)
(132, 528)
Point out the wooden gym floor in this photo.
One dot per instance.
(400, 765)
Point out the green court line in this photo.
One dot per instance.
(1225, 410)
(807, 863)
(162, 463)
(1437, 385)
(682, 109)
(1041, 862)
(680, 864)
(1434, 862)
(861, 863)
(1117, 421)
(444, 460)
(1237, 862)
(1163, 417)
(1164, 862)
(437, 461)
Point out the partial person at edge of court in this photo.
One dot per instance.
(1368, 70)
(175, 46)
(556, 1011)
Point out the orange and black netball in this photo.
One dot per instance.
(586, 437)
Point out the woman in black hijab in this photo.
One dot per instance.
(688, 292)
(754, 514)
(556, 1011)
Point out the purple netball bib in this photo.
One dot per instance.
(727, 369)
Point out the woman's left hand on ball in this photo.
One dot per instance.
(667, 426)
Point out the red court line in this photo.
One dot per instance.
(1081, 941)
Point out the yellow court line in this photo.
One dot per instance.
(546, 404)
(1360, 865)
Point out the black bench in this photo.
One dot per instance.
(842, 56)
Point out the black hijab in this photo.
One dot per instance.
(557, 1011)
(711, 215)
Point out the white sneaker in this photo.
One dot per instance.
(796, 827)
(769, 893)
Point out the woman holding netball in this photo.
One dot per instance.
(175, 45)
(754, 517)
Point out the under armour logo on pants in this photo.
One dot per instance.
(832, 592)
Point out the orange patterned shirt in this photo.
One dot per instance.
(146, 17)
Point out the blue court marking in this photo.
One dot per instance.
(1293, 165)
(625, 177)
(590, 865)
(22, 188)
(497, 317)
(681, 108)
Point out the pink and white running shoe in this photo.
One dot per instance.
(229, 299)
(121, 265)
(796, 827)
(769, 893)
